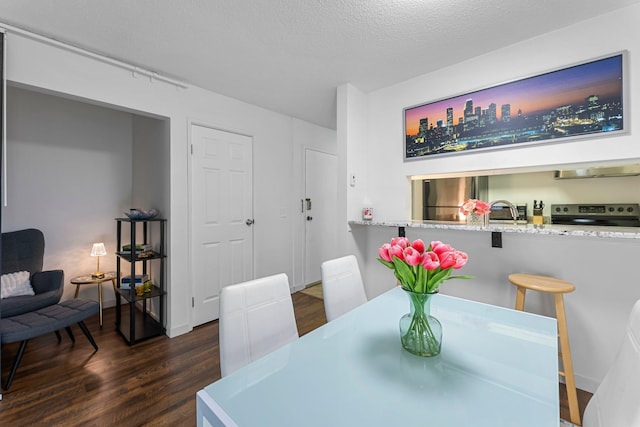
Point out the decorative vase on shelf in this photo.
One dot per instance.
(475, 219)
(420, 333)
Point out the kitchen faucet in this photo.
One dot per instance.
(512, 208)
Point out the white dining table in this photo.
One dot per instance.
(498, 367)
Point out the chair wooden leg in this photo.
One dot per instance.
(58, 336)
(567, 364)
(16, 362)
(87, 334)
(520, 298)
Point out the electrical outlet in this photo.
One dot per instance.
(496, 239)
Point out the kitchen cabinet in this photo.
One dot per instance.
(141, 315)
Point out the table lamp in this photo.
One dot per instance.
(98, 250)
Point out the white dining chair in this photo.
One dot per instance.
(615, 402)
(256, 318)
(342, 286)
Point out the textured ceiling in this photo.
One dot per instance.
(290, 55)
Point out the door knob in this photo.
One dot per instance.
(249, 221)
(309, 218)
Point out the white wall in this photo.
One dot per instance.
(70, 74)
(390, 193)
(353, 146)
(597, 312)
(68, 174)
(150, 164)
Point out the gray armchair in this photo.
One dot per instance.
(24, 251)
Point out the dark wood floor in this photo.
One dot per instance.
(152, 383)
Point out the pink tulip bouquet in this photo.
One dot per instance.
(420, 269)
(475, 206)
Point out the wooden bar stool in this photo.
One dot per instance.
(557, 287)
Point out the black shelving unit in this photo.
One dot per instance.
(134, 320)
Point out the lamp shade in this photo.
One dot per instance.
(98, 249)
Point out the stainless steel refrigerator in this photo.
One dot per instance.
(440, 199)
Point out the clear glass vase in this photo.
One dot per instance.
(477, 220)
(420, 333)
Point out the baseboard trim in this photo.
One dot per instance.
(179, 330)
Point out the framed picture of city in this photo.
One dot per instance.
(583, 100)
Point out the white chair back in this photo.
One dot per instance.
(616, 400)
(342, 286)
(256, 318)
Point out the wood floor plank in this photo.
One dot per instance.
(152, 383)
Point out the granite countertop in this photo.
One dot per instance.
(548, 229)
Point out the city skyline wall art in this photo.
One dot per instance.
(583, 100)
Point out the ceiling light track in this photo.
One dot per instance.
(135, 70)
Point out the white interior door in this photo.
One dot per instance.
(321, 233)
(222, 216)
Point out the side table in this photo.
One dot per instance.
(88, 280)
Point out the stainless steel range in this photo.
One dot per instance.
(617, 214)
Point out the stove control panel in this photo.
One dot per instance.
(615, 209)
